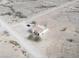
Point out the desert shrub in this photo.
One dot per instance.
(33, 22)
(34, 38)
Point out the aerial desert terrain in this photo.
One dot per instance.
(39, 28)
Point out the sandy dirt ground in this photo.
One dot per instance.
(26, 8)
(9, 47)
(61, 38)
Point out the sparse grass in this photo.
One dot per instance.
(14, 43)
(34, 37)
(6, 33)
(20, 15)
(30, 31)
(37, 38)
(33, 22)
(30, 37)
(77, 31)
(43, 6)
(8, 13)
(64, 29)
(24, 52)
(70, 40)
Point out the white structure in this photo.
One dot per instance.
(40, 29)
